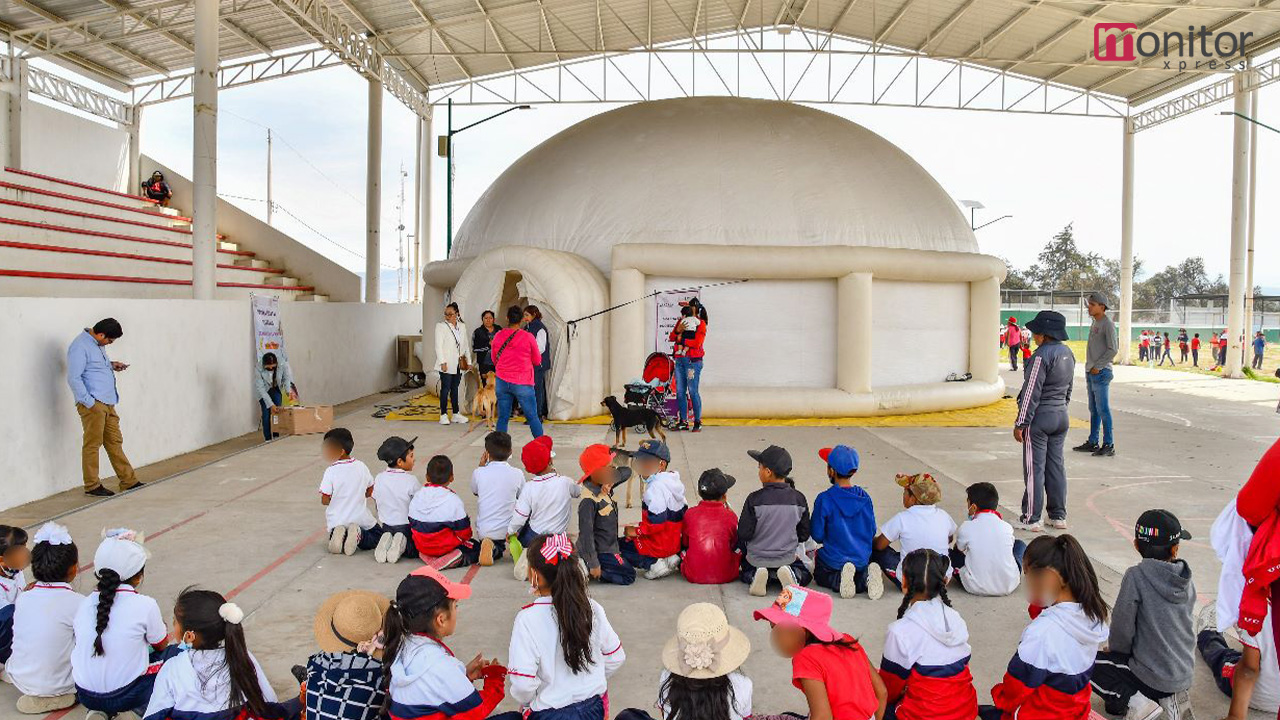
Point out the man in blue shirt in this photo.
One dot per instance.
(91, 375)
(1259, 348)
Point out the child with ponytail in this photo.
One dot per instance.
(42, 637)
(14, 558)
(563, 649)
(1061, 642)
(118, 632)
(425, 681)
(215, 676)
(925, 666)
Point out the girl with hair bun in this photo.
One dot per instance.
(42, 636)
(118, 632)
(214, 676)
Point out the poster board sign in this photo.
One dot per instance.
(268, 335)
(667, 307)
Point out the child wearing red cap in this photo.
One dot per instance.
(828, 666)
(598, 517)
(545, 501)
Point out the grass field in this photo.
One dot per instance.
(1270, 360)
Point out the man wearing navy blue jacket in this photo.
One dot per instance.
(844, 521)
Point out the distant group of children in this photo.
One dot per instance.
(382, 657)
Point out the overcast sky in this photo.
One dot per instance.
(1045, 171)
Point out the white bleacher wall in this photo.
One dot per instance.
(190, 380)
(63, 145)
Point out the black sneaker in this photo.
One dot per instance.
(134, 486)
(697, 427)
(1089, 447)
(1105, 451)
(99, 492)
(681, 426)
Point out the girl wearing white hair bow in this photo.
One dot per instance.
(216, 677)
(42, 636)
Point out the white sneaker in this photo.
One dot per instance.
(662, 567)
(399, 542)
(1142, 707)
(1035, 527)
(384, 546)
(96, 715)
(1057, 524)
(1207, 618)
(352, 541)
(32, 705)
(786, 576)
(1177, 706)
(759, 583)
(875, 581)
(444, 419)
(848, 581)
(521, 570)
(337, 537)
(459, 418)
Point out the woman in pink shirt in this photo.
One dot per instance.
(515, 354)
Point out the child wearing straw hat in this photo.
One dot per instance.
(344, 680)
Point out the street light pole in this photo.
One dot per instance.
(448, 153)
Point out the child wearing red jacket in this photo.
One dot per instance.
(1062, 641)
(439, 522)
(710, 537)
(654, 545)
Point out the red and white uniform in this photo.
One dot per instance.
(429, 683)
(438, 520)
(540, 678)
(544, 503)
(926, 664)
(1048, 677)
(661, 515)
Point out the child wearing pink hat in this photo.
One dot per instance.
(828, 666)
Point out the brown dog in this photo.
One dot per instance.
(485, 403)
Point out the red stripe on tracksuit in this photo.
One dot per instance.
(932, 698)
(659, 539)
(435, 544)
(491, 694)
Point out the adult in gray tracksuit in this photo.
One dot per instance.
(1042, 421)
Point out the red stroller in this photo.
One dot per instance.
(658, 389)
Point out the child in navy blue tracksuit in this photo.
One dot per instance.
(844, 521)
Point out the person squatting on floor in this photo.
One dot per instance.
(1042, 423)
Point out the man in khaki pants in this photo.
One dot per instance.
(91, 375)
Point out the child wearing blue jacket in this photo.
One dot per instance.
(844, 521)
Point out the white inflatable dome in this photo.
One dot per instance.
(718, 171)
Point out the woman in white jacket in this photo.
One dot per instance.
(453, 356)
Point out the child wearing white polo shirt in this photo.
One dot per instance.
(921, 525)
(987, 557)
(545, 502)
(393, 490)
(14, 558)
(441, 528)
(118, 632)
(40, 666)
(496, 485)
(346, 485)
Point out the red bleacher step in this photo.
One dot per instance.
(141, 280)
(115, 236)
(102, 203)
(143, 258)
(103, 218)
(82, 186)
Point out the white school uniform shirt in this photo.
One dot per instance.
(11, 588)
(540, 679)
(43, 637)
(436, 504)
(742, 689)
(347, 483)
(393, 490)
(133, 628)
(544, 503)
(197, 684)
(920, 526)
(496, 487)
(987, 543)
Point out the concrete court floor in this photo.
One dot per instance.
(251, 525)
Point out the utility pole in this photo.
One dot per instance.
(400, 294)
(271, 206)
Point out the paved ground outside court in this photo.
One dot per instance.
(251, 525)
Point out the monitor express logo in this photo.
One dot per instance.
(1113, 42)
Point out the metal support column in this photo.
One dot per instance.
(271, 205)
(422, 223)
(1253, 195)
(135, 150)
(373, 196)
(204, 176)
(1126, 244)
(15, 96)
(1240, 158)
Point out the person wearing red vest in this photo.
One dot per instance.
(710, 536)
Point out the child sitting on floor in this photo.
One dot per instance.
(14, 558)
(393, 490)
(1063, 640)
(40, 666)
(496, 486)
(1150, 658)
(828, 666)
(598, 517)
(424, 679)
(119, 633)
(344, 489)
(654, 545)
(563, 649)
(441, 528)
(773, 524)
(921, 525)
(925, 666)
(344, 680)
(217, 675)
(844, 521)
(987, 557)
(709, 535)
(545, 501)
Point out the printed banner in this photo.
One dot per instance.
(268, 335)
(668, 314)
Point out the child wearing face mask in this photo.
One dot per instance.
(1061, 642)
(987, 557)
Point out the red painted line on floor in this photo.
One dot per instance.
(471, 574)
(310, 539)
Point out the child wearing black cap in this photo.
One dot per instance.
(393, 490)
(1147, 668)
(773, 524)
(709, 540)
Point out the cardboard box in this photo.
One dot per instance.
(301, 419)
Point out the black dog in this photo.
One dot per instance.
(624, 416)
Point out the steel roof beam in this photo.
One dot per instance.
(113, 47)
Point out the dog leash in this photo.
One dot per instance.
(572, 325)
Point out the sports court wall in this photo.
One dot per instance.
(69, 146)
(189, 383)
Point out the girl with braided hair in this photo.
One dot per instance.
(119, 633)
(925, 666)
